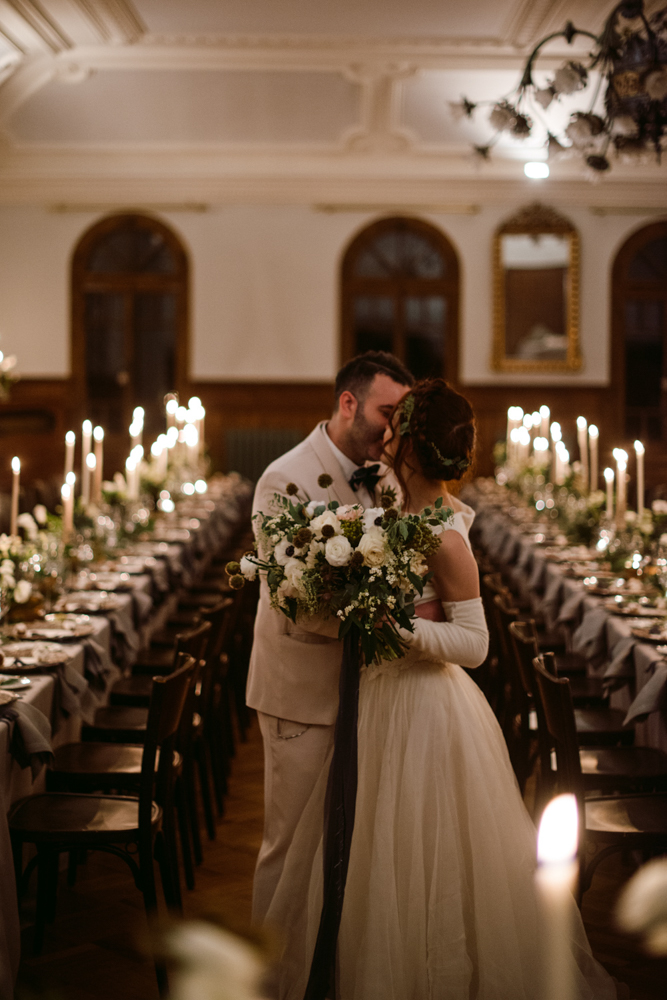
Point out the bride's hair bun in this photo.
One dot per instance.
(440, 425)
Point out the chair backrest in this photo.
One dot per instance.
(560, 721)
(526, 649)
(193, 642)
(168, 699)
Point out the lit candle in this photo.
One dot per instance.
(70, 441)
(171, 406)
(513, 451)
(98, 435)
(191, 438)
(86, 438)
(66, 494)
(536, 423)
(609, 480)
(545, 414)
(541, 450)
(593, 435)
(639, 452)
(181, 416)
(130, 468)
(621, 484)
(14, 510)
(555, 880)
(200, 429)
(582, 440)
(562, 460)
(91, 468)
(556, 436)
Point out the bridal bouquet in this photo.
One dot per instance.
(362, 566)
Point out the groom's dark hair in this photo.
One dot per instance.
(356, 376)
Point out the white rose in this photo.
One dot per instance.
(371, 547)
(4, 544)
(27, 522)
(39, 512)
(22, 591)
(294, 569)
(338, 551)
(659, 506)
(248, 568)
(328, 517)
(371, 515)
(7, 567)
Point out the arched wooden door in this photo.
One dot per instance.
(639, 317)
(399, 293)
(129, 324)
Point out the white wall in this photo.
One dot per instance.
(264, 296)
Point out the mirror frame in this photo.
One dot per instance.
(536, 219)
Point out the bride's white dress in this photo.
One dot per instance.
(440, 901)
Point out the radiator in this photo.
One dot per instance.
(250, 449)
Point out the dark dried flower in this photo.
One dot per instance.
(598, 163)
(236, 582)
(324, 481)
(522, 126)
(232, 568)
(391, 514)
(291, 489)
(356, 559)
(328, 531)
(302, 537)
(388, 497)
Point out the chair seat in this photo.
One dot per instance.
(134, 691)
(587, 691)
(54, 815)
(607, 765)
(601, 725)
(98, 758)
(117, 723)
(632, 815)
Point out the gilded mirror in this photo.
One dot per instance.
(536, 293)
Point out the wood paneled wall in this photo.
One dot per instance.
(296, 406)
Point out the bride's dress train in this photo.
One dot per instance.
(440, 901)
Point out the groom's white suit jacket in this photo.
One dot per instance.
(293, 672)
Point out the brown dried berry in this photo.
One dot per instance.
(291, 489)
(324, 481)
(328, 531)
(236, 582)
(357, 559)
(302, 537)
(232, 568)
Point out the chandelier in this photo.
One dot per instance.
(629, 60)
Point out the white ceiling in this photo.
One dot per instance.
(103, 95)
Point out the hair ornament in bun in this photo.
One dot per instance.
(406, 410)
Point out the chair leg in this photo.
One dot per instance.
(168, 873)
(193, 814)
(218, 768)
(205, 785)
(184, 832)
(47, 886)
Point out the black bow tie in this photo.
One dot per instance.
(366, 475)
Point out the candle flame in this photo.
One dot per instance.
(65, 491)
(609, 475)
(98, 434)
(581, 423)
(639, 448)
(593, 431)
(540, 444)
(620, 455)
(194, 403)
(16, 464)
(545, 411)
(91, 460)
(70, 478)
(559, 831)
(171, 406)
(87, 427)
(70, 437)
(556, 433)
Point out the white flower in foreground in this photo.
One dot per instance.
(372, 517)
(213, 964)
(642, 907)
(281, 552)
(313, 552)
(338, 551)
(22, 591)
(39, 512)
(312, 506)
(659, 506)
(294, 570)
(349, 512)
(29, 525)
(328, 517)
(371, 547)
(285, 589)
(248, 568)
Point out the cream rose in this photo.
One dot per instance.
(22, 591)
(337, 551)
(371, 547)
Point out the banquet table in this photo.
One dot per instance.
(67, 696)
(635, 670)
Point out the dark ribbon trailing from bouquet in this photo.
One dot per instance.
(338, 822)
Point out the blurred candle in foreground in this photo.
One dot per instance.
(66, 494)
(545, 414)
(593, 435)
(621, 484)
(555, 880)
(609, 480)
(639, 452)
(582, 441)
(70, 441)
(86, 437)
(91, 468)
(170, 407)
(98, 435)
(14, 510)
(556, 436)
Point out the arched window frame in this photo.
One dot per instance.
(448, 286)
(84, 281)
(622, 287)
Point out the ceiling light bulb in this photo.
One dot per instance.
(537, 171)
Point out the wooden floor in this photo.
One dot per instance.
(94, 949)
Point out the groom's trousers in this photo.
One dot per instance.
(294, 756)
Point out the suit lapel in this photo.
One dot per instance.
(340, 489)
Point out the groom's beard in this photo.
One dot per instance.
(367, 439)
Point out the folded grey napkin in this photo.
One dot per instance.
(538, 575)
(570, 609)
(590, 639)
(142, 605)
(124, 639)
(526, 558)
(651, 698)
(550, 603)
(30, 743)
(71, 696)
(621, 667)
(97, 665)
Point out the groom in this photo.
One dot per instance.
(293, 677)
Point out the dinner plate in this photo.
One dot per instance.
(54, 628)
(633, 608)
(653, 633)
(12, 682)
(32, 656)
(90, 601)
(7, 698)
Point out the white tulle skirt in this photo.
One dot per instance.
(440, 901)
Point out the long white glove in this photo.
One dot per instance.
(462, 639)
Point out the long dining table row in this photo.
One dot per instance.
(55, 699)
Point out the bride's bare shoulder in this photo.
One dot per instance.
(455, 573)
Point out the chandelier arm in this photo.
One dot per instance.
(569, 34)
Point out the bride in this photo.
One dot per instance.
(439, 901)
